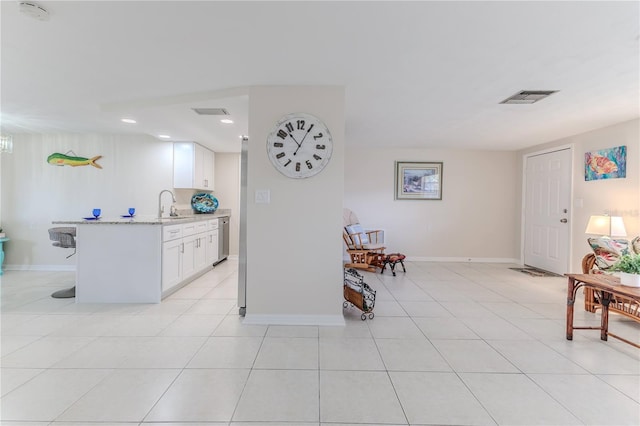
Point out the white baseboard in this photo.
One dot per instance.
(233, 257)
(257, 319)
(42, 268)
(457, 259)
(463, 259)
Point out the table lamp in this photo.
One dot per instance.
(611, 226)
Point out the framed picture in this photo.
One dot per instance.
(418, 180)
(608, 163)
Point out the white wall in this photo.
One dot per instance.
(617, 197)
(294, 258)
(227, 185)
(34, 193)
(475, 220)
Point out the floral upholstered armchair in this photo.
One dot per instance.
(606, 252)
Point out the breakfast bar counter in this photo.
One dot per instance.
(123, 260)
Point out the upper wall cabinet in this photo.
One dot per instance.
(192, 166)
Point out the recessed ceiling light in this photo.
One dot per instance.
(226, 121)
(128, 121)
(164, 136)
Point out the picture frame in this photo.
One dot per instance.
(416, 180)
(610, 163)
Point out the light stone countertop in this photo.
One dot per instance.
(147, 220)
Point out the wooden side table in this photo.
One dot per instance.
(608, 288)
(2, 241)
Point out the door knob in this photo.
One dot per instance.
(563, 220)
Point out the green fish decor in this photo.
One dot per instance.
(58, 159)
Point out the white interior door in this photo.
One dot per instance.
(547, 203)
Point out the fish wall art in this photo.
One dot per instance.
(58, 159)
(606, 163)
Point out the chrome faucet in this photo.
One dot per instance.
(161, 207)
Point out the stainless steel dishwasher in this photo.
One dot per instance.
(223, 239)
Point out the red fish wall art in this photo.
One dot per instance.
(606, 163)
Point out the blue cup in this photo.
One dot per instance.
(132, 211)
(96, 213)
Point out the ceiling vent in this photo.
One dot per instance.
(528, 96)
(34, 10)
(211, 111)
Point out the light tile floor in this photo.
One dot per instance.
(451, 344)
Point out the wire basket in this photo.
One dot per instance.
(358, 293)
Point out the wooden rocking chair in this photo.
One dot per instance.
(365, 248)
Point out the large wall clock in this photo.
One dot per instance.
(300, 145)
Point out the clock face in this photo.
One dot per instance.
(300, 145)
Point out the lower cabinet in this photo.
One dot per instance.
(212, 247)
(187, 251)
(171, 264)
(189, 256)
(212, 242)
(200, 254)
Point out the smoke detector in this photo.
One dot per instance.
(210, 111)
(34, 10)
(528, 96)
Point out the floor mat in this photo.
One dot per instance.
(535, 272)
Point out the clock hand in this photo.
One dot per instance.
(305, 136)
(294, 139)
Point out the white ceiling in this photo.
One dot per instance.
(416, 74)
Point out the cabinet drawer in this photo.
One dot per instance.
(189, 229)
(171, 232)
(201, 227)
(213, 224)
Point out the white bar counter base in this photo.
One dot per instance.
(120, 260)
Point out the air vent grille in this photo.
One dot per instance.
(210, 111)
(528, 96)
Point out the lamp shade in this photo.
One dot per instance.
(612, 226)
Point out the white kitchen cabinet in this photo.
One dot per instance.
(193, 166)
(171, 264)
(212, 242)
(208, 162)
(171, 256)
(189, 255)
(194, 238)
(200, 256)
(188, 251)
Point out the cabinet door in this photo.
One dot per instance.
(212, 246)
(192, 166)
(208, 160)
(198, 169)
(183, 164)
(200, 254)
(188, 256)
(171, 264)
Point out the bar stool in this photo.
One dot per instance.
(64, 237)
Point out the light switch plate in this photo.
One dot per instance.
(263, 196)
